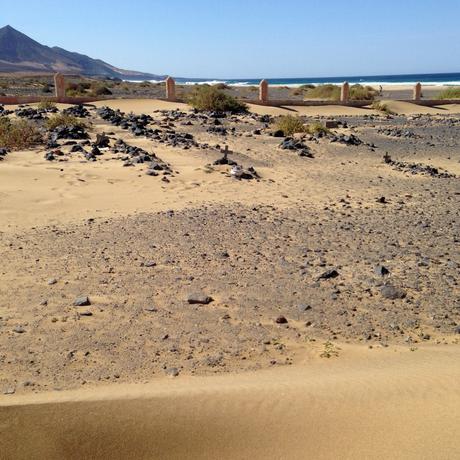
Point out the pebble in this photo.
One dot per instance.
(199, 299)
(82, 301)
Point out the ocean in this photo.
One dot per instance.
(436, 79)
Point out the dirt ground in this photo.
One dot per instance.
(194, 272)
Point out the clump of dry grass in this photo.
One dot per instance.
(327, 92)
(450, 93)
(46, 105)
(316, 128)
(16, 134)
(381, 107)
(332, 92)
(210, 98)
(362, 93)
(62, 119)
(290, 125)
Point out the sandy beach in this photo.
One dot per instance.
(311, 311)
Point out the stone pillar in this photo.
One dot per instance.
(417, 92)
(345, 93)
(170, 89)
(263, 91)
(59, 86)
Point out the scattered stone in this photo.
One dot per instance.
(172, 372)
(348, 140)
(199, 299)
(239, 173)
(381, 270)
(281, 320)
(391, 292)
(82, 301)
(329, 274)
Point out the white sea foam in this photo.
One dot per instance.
(243, 83)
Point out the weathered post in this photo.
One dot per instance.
(263, 91)
(417, 92)
(170, 89)
(345, 92)
(59, 86)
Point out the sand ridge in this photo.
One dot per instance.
(359, 406)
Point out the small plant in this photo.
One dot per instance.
(18, 134)
(306, 87)
(46, 88)
(210, 98)
(328, 92)
(381, 107)
(46, 105)
(78, 89)
(362, 93)
(289, 125)
(100, 90)
(330, 350)
(62, 119)
(450, 93)
(316, 128)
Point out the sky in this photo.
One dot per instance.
(250, 38)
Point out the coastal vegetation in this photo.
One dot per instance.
(316, 128)
(86, 88)
(46, 105)
(329, 92)
(381, 107)
(290, 125)
(18, 134)
(450, 93)
(332, 92)
(210, 98)
(62, 119)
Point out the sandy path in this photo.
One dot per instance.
(390, 404)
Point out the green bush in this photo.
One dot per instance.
(289, 125)
(18, 133)
(210, 98)
(62, 119)
(450, 93)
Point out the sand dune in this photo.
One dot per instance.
(388, 403)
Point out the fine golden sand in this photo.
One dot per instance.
(385, 403)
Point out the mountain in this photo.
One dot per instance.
(19, 53)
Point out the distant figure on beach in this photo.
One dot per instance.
(381, 90)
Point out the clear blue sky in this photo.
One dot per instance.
(251, 38)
